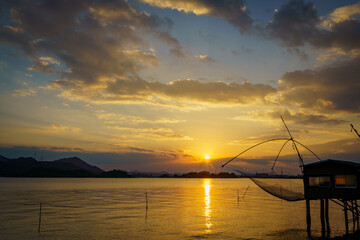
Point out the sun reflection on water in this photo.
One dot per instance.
(207, 208)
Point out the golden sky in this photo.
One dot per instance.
(154, 85)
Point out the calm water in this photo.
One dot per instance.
(177, 209)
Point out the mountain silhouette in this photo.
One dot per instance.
(28, 167)
(80, 164)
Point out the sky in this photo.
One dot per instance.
(156, 85)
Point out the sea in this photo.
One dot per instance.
(153, 208)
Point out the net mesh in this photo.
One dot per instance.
(285, 192)
(279, 191)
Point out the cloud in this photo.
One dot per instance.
(56, 129)
(130, 148)
(147, 58)
(139, 90)
(63, 128)
(44, 65)
(291, 116)
(61, 149)
(214, 92)
(100, 48)
(120, 118)
(235, 12)
(258, 139)
(303, 118)
(344, 149)
(294, 23)
(205, 58)
(93, 40)
(297, 23)
(332, 88)
(153, 133)
(24, 92)
(342, 13)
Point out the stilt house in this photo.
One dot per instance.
(338, 181)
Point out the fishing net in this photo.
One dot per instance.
(270, 185)
(282, 191)
(279, 191)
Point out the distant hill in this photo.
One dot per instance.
(81, 164)
(3, 159)
(115, 174)
(28, 167)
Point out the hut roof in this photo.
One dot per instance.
(332, 161)
(332, 166)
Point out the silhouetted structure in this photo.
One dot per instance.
(334, 180)
(338, 181)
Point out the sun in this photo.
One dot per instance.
(207, 157)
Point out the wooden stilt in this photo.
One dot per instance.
(357, 215)
(308, 218)
(346, 217)
(322, 217)
(327, 216)
(39, 218)
(353, 214)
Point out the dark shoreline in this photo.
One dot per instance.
(74, 167)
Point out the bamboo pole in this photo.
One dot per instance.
(245, 192)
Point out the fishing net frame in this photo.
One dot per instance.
(275, 190)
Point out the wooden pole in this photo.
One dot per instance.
(39, 218)
(346, 217)
(327, 216)
(146, 208)
(322, 217)
(146, 196)
(308, 218)
(245, 192)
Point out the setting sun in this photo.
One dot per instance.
(207, 157)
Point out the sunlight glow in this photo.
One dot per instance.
(207, 212)
(207, 157)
